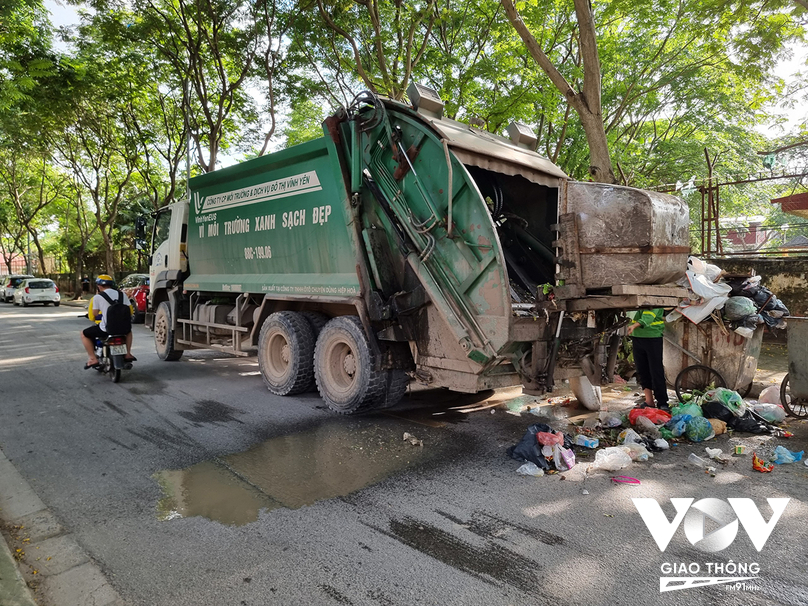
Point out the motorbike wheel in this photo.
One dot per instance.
(115, 374)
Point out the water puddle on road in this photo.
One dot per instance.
(331, 460)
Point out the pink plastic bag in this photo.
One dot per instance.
(549, 439)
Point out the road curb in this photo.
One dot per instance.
(13, 589)
(50, 560)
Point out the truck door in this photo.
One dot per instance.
(168, 251)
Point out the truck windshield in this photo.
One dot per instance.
(161, 226)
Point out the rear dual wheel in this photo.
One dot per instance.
(341, 364)
(344, 368)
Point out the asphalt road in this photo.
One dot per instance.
(189, 484)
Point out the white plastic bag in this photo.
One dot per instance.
(610, 419)
(770, 395)
(662, 444)
(638, 452)
(773, 413)
(530, 469)
(563, 458)
(646, 426)
(613, 458)
(629, 436)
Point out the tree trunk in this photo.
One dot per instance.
(600, 160)
(587, 102)
(40, 253)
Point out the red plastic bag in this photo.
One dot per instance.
(548, 439)
(656, 416)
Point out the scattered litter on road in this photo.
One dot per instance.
(530, 469)
(783, 455)
(408, 437)
(625, 480)
(760, 465)
(612, 458)
(697, 461)
(582, 440)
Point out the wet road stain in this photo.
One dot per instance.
(491, 563)
(121, 444)
(331, 460)
(490, 526)
(335, 595)
(114, 408)
(211, 411)
(162, 438)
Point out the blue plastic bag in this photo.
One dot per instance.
(678, 424)
(784, 455)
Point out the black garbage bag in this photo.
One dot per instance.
(748, 424)
(529, 449)
(737, 286)
(717, 410)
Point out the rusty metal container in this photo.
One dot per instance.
(797, 357)
(733, 356)
(623, 235)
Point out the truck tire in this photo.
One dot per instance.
(396, 382)
(164, 334)
(286, 353)
(344, 368)
(317, 321)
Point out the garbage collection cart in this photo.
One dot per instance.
(794, 388)
(704, 355)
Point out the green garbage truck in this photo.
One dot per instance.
(405, 246)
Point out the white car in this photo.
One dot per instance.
(37, 290)
(8, 285)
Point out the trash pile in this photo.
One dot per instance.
(543, 449)
(637, 435)
(745, 302)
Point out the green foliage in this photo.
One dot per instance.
(305, 123)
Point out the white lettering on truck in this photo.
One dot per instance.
(236, 226)
(320, 214)
(264, 222)
(294, 218)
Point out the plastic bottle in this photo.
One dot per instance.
(696, 460)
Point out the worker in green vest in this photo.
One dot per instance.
(646, 339)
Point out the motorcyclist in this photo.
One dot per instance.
(98, 305)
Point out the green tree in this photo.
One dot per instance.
(305, 123)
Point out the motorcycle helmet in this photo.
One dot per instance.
(105, 280)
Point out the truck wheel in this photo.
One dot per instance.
(164, 334)
(344, 367)
(396, 382)
(285, 353)
(317, 321)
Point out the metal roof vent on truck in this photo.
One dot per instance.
(522, 135)
(425, 100)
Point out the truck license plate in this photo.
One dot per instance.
(117, 350)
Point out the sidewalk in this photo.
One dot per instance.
(13, 589)
(49, 560)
